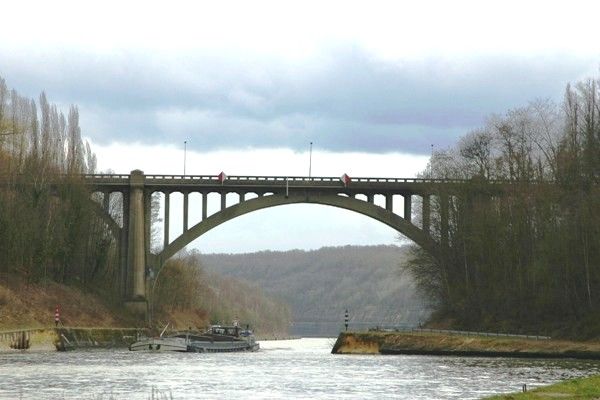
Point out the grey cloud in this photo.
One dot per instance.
(343, 100)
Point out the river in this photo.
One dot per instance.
(299, 369)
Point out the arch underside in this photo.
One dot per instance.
(362, 207)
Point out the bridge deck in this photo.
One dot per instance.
(153, 178)
(264, 183)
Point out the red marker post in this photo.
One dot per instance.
(56, 316)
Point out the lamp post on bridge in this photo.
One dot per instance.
(310, 161)
(184, 154)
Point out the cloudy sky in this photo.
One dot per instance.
(248, 85)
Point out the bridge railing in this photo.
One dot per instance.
(281, 179)
(106, 176)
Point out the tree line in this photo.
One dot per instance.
(48, 228)
(51, 231)
(527, 258)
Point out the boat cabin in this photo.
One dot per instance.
(225, 330)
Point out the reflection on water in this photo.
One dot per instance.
(300, 369)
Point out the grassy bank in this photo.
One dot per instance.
(582, 388)
(31, 305)
(25, 305)
(442, 344)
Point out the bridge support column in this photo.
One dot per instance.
(389, 202)
(185, 211)
(166, 219)
(204, 206)
(426, 214)
(136, 254)
(106, 202)
(444, 221)
(408, 207)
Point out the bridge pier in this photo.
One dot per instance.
(136, 251)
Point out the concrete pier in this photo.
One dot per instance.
(136, 258)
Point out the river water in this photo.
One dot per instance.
(299, 369)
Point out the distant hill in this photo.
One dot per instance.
(320, 285)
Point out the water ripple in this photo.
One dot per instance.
(299, 369)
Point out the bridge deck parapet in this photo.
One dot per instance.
(264, 179)
(263, 184)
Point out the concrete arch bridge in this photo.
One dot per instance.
(356, 194)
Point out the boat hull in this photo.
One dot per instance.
(222, 347)
(218, 339)
(160, 344)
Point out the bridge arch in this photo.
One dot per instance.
(359, 195)
(380, 214)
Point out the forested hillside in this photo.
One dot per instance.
(526, 259)
(186, 294)
(319, 285)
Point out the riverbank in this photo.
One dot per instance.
(424, 343)
(582, 388)
(27, 305)
(67, 338)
